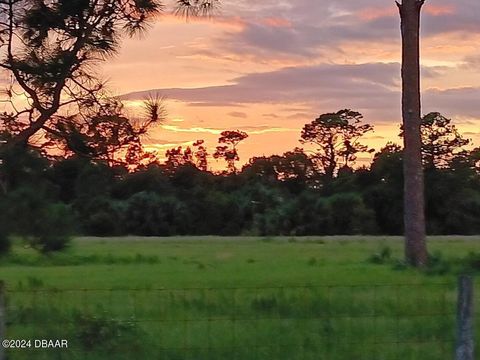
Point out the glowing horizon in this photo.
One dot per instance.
(269, 68)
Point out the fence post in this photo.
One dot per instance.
(3, 314)
(465, 319)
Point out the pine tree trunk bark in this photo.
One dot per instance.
(414, 208)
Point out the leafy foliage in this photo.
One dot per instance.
(49, 50)
(44, 225)
(276, 195)
(441, 140)
(189, 8)
(4, 240)
(198, 156)
(336, 136)
(229, 152)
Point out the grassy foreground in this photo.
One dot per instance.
(232, 298)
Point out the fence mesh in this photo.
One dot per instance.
(294, 323)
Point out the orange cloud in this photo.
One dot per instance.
(230, 21)
(374, 13)
(276, 22)
(218, 20)
(438, 10)
(370, 14)
(251, 130)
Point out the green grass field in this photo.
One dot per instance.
(233, 298)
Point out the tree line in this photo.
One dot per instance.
(46, 199)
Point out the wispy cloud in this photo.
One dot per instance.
(251, 130)
(238, 114)
(372, 87)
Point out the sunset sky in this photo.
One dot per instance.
(268, 67)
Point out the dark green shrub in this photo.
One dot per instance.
(4, 242)
(4, 234)
(400, 265)
(55, 231)
(348, 215)
(463, 214)
(103, 332)
(34, 282)
(472, 262)
(437, 265)
(100, 216)
(149, 214)
(381, 257)
(44, 225)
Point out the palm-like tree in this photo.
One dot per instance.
(189, 8)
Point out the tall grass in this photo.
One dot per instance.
(324, 322)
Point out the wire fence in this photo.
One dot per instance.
(411, 321)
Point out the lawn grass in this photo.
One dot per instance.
(233, 298)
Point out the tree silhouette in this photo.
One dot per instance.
(179, 156)
(200, 154)
(229, 152)
(189, 8)
(137, 158)
(441, 140)
(106, 133)
(294, 168)
(336, 136)
(49, 49)
(414, 199)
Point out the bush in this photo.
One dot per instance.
(4, 234)
(348, 215)
(472, 262)
(100, 216)
(55, 230)
(4, 242)
(149, 214)
(381, 257)
(437, 265)
(463, 214)
(44, 225)
(103, 332)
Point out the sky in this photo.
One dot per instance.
(268, 67)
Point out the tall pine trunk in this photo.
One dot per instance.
(414, 207)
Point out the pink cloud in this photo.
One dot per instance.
(439, 10)
(374, 13)
(218, 20)
(276, 22)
